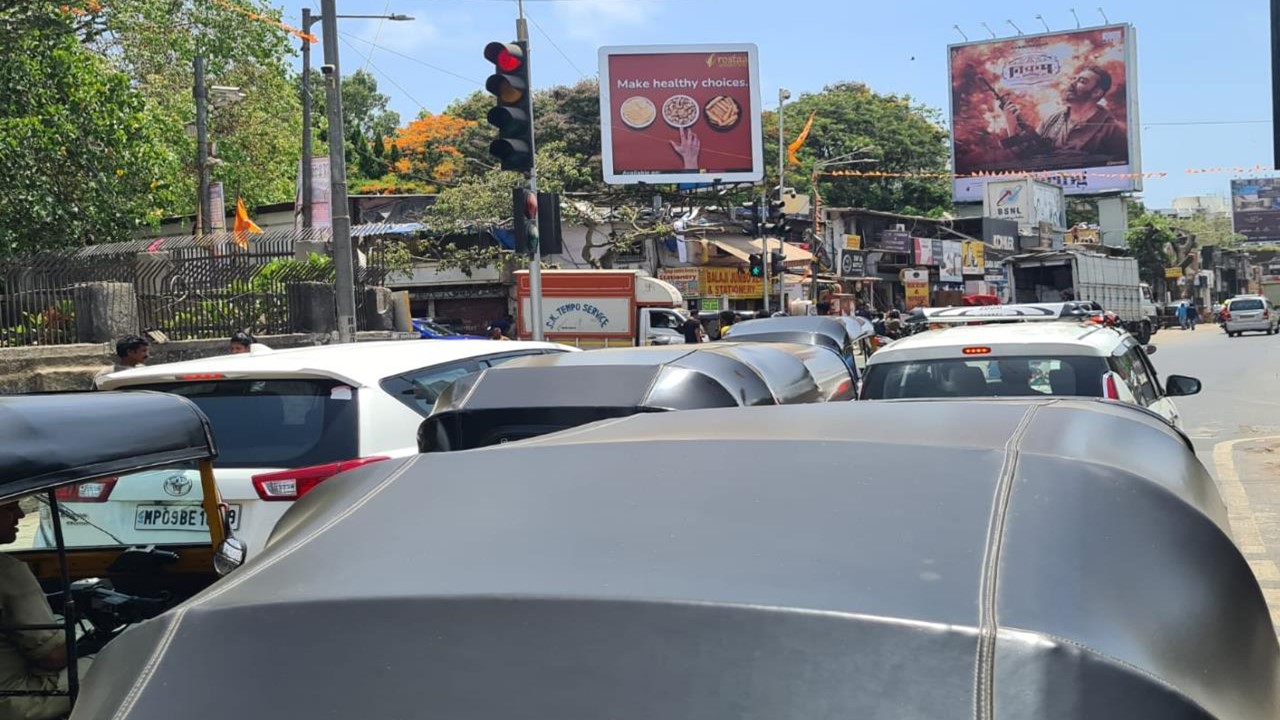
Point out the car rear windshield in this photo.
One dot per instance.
(275, 423)
(1249, 304)
(992, 377)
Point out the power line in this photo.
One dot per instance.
(377, 35)
(414, 59)
(1206, 122)
(387, 77)
(557, 47)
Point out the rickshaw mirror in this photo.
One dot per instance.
(1151, 349)
(230, 555)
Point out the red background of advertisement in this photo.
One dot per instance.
(649, 150)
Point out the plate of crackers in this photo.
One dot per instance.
(723, 113)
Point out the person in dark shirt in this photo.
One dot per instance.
(692, 329)
(1084, 127)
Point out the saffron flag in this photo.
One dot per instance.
(244, 225)
(799, 141)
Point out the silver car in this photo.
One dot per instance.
(1250, 313)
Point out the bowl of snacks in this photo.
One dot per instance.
(722, 113)
(680, 111)
(638, 112)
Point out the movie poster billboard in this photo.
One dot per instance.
(951, 269)
(1255, 209)
(1061, 106)
(680, 114)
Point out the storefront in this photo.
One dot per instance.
(711, 289)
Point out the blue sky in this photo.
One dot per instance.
(1197, 63)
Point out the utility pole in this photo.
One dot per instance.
(815, 236)
(535, 262)
(202, 149)
(343, 256)
(1275, 80)
(306, 119)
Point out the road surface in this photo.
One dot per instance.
(1235, 425)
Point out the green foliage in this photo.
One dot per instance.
(1210, 230)
(1148, 238)
(77, 150)
(901, 135)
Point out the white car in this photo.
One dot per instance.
(283, 422)
(1250, 313)
(1023, 359)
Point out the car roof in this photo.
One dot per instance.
(361, 364)
(1061, 338)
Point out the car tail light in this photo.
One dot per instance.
(202, 376)
(94, 491)
(1266, 314)
(976, 351)
(1110, 390)
(287, 485)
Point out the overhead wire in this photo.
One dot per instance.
(377, 35)
(555, 45)
(413, 59)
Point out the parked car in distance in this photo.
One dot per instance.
(1250, 313)
(429, 329)
(1024, 359)
(285, 422)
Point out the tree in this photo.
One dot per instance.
(1150, 240)
(364, 108)
(1210, 230)
(428, 148)
(905, 139)
(154, 43)
(77, 154)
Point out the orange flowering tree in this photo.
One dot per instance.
(427, 149)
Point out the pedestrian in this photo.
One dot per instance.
(131, 352)
(506, 324)
(1193, 314)
(240, 343)
(727, 318)
(1182, 315)
(495, 333)
(692, 329)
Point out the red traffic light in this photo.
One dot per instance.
(508, 57)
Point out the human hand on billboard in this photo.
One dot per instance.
(1012, 117)
(688, 148)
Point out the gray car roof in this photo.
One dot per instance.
(1023, 558)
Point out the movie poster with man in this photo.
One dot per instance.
(1061, 105)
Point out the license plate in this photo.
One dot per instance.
(178, 517)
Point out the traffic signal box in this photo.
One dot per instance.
(513, 113)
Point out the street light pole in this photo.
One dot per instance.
(783, 96)
(202, 148)
(307, 21)
(343, 255)
(535, 262)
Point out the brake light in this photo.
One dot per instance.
(202, 376)
(976, 350)
(288, 485)
(1266, 314)
(94, 491)
(1110, 390)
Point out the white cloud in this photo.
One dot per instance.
(594, 19)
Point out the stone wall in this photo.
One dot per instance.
(61, 368)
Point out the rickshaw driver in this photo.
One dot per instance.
(30, 659)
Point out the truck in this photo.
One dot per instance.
(602, 308)
(1271, 290)
(1112, 282)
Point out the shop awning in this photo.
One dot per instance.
(744, 248)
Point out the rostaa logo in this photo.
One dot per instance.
(1031, 69)
(731, 60)
(1009, 197)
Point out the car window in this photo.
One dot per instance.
(1245, 305)
(419, 389)
(668, 320)
(502, 359)
(275, 423)
(1017, 376)
(1143, 384)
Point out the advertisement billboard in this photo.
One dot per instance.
(1026, 202)
(680, 114)
(895, 241)
(1000, 234)
(951, 269)
(924, 251)
(973, 257)
(1063, 104)
(1255, 209)
(852, 264)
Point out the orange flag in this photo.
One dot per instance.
(799, 141)
(244, 225)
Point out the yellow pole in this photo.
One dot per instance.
(212, 503)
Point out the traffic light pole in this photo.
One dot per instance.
(535, 260)
(761, 211)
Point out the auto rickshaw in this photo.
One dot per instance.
(56, 448)
(873, 560)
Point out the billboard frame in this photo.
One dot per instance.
(1132, 125)
(755, 175)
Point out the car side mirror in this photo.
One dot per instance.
(1151, 349)
(1181, 386)
(230, 555)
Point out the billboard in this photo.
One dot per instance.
(951, 269)
(1063, 104)
(973, 257)
(1255, 209)
(1000, 234)
(680, 114)
(1026, 202)
(924, 251)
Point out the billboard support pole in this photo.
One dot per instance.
(1275, 81)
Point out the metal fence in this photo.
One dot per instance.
(185, 287)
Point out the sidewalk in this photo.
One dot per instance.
(1247, 471)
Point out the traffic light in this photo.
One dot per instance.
(753, 228)
(513, 114)
(524, 213)
(775, 263)
(777, 225)
(552, 242)
(757, 265)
